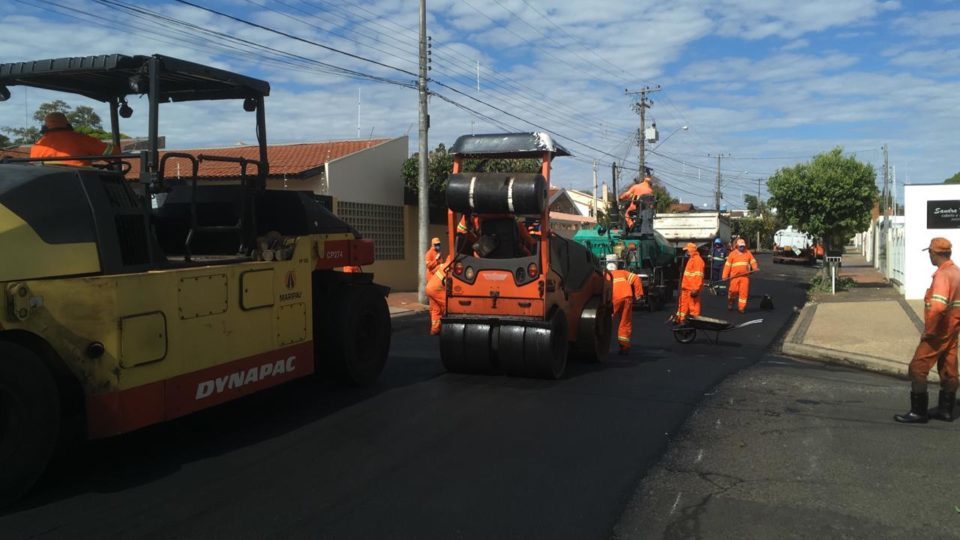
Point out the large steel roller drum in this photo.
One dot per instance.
(497, 193)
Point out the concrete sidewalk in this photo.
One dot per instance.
(869, 326)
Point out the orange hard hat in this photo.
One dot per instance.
(55, 120)
(741, 242)
(690, 247)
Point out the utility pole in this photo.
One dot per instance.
(878, 235)
(616, 197)
(423, 203)
(759, 213)
(593, 209)
(640, 107)
(716, 194)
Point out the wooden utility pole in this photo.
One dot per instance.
(640, 107)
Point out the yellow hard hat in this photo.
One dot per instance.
(435, 241)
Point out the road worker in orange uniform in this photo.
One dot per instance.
(60, 140)
(437, 294)
(739, 262)
(938, 344)
(627, 288)
(432, 258)
(633, 194)
(689, 303)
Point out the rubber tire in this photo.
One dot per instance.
(593, 334)
(360, 341)
(465, 348)
(685, 335)
(535, 351)
(29, 420)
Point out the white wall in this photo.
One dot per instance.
(371, 176)
(917, 268)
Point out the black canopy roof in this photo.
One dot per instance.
(507, 145)
(105, 77)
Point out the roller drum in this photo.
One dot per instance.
(497, 193)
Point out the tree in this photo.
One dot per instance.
(830, 197)
(4, 141)
(662, 198)
(83, 119)
(955, 179)
(50, 107)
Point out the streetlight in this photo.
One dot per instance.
(684, 128)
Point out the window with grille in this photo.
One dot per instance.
(378, 222)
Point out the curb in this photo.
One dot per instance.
(793, 346)
(860, 361)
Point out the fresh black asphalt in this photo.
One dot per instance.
(424, 454)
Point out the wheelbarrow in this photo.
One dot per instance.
(687, 332)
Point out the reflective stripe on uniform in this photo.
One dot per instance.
(623, 338)
(692, 274)
(938, 298)
(738, 264)
(742, 300)
(618, 280)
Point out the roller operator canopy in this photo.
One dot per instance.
(115, 76)
(507, 146)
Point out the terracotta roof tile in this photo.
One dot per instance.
(285, 159)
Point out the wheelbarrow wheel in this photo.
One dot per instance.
(685, 334)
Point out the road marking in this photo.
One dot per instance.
(675, 503)
(699, 456)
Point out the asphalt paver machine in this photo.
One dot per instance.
(130, 295)
(512, 306)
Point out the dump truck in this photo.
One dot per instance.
(791, 245)
(514, 307)
(131, 298)
(697, 227)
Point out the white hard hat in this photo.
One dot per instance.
(612, 258)
(611, 266)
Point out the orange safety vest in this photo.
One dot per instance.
(739, 264)
(626, 284)
(431, 259)
(693, 274)
(66, 143)
(941, 305)
(637, 190)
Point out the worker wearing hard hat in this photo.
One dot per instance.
(740, 263)
(60, 140)
(689, 303)
(437, 295)
(432, 258)
(627, 289)
(718, 257)
(938, 344)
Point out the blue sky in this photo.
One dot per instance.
(771, 83)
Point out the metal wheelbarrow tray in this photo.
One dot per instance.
(687, 332)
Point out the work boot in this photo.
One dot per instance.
(624, 352)
(918, 409)
(945, 405)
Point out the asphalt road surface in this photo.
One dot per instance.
(790, 449)
(424, 454)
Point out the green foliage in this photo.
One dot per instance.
(830, 197)
(749, 226)
(83, 119)
(955, 179)
(662, 198)
(49, 107)
(821, 283)
(5, 141)
(27, 135)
